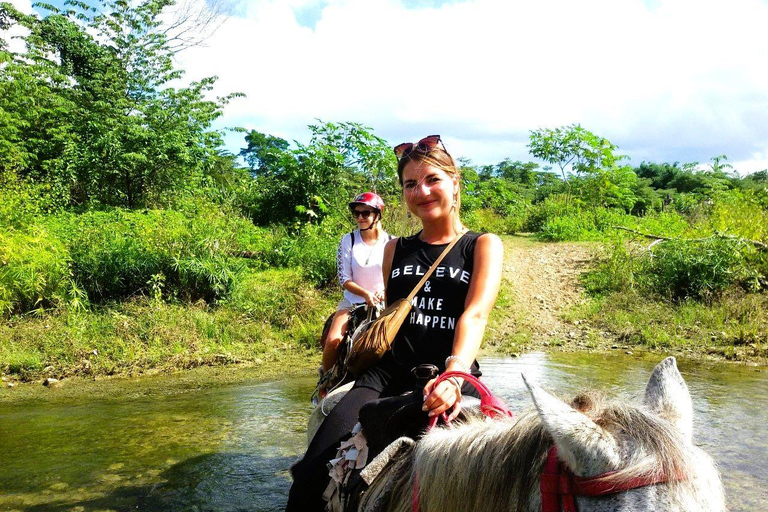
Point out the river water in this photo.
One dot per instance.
(154, 445)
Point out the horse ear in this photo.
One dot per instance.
(667, 395)
(582, 444)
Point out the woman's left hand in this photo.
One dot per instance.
(438, 399)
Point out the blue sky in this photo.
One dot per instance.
(665, 80)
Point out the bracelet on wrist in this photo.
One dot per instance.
(456, 383)
(462, 364)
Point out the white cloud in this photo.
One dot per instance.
(681, 80)
(24, 6)
(12, 35)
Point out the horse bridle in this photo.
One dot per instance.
(558, 485)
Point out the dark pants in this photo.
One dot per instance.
(310, 474)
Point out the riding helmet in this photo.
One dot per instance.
(370, 199)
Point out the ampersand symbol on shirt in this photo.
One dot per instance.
(427, 287)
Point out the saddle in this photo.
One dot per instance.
(388, 419)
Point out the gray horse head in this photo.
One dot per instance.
(655, 440)
(497, 465)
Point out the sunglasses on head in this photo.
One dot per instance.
(425, 145)
(362, 213)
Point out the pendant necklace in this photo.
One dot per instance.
(370, 251)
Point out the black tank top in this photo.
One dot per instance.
(426, 336)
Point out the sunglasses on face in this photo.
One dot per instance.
(425, 145)
(361, 213)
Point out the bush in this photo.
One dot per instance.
(312, 249)
(540, 213)
(275, 296)
(616, 273)
(679, 269)
(34, 271)
(741, 213)
(488, 221)
(698, 270)
(188, 254)
(581, 224)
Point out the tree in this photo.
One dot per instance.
(263, 151)
(89, 110)
(572, 146)
(591, 157)
(660, 175)
(312, 180)
(612, 187)
(758, 177)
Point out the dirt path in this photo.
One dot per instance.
(540, 285)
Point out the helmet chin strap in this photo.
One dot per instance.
(373, 222)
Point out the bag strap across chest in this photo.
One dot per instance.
(428, 273)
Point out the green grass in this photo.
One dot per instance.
(734, 326)
(141, 334)
(117, 292)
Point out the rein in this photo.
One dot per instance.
(490, 405)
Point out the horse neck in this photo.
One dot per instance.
(515, 449)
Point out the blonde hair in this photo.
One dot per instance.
(439, 158)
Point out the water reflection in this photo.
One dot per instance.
(228, 448)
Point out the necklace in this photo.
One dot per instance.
(370, 251)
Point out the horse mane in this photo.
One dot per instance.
(496, 465)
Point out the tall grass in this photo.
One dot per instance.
(701, 258)
(271, 313)
(34, 271)
(118, 254)
(733, 325)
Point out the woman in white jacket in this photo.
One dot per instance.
(358, 262)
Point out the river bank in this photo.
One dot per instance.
(542, 306)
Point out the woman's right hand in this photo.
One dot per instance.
(373, 298)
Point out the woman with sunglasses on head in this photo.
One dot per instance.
(446, 323)
(450, 312)
(358, 262)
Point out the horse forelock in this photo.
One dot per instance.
(497, 465)
(653, 448)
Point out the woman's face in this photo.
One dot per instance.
(429, 191)
(363, 215)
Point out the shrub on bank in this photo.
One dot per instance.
(680, 269)
(709, 250)
(194, 253)
(488, 221)
(313, 250)
(277, 296)
(188, 255)
(697, 270)
(734, 325)
(133, 336)
(34, 271)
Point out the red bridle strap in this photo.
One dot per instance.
(559, 486)
(556, 486)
